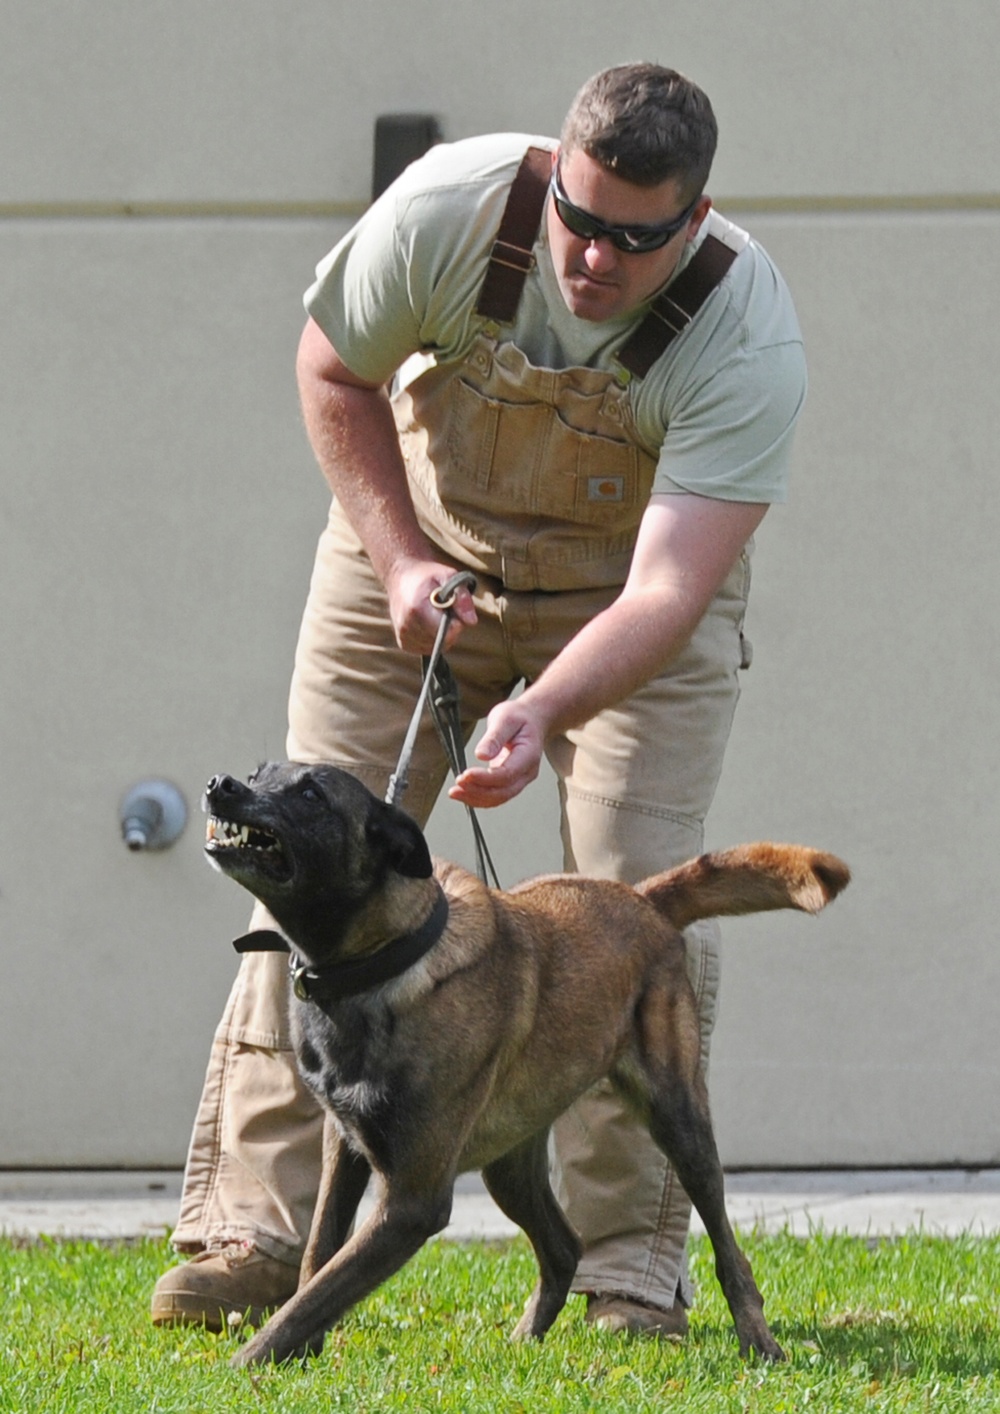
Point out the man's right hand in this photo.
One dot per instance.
(409, 586)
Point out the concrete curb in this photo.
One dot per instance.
(111, 1206)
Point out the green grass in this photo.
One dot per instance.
(909, 1324)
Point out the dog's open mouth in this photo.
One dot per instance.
(226, 840)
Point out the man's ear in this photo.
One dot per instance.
(698, 216)
(403, 843)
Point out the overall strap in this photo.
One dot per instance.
(511, 258)
(671, 312)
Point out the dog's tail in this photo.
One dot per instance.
(751, 878)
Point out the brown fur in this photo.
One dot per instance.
(465, 1059)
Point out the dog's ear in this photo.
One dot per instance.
(403, 842)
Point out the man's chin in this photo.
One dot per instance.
(589, 299)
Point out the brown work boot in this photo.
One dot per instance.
(622, 1313)
(224, 1289)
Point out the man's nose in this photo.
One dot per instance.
(600, 255)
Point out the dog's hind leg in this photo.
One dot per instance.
(680, 1123)
(519, 1184)
(345, 1176)
(682, 1131)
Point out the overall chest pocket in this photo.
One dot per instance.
(529, 459)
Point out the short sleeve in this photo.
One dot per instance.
(731, 436)
(361, 297)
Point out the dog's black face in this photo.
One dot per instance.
(309, 842)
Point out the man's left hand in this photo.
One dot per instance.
(512, 748)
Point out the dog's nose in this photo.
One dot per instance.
(221, 785)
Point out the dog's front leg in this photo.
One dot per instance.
(397, 1227)
(345, 1176)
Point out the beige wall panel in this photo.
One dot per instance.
(868, 723)
(157, 514)
(262, 101)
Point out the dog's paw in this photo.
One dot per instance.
(765, 1347)
(265, 1351)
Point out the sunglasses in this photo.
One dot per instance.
(633, 240)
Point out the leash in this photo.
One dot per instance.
(439, 693)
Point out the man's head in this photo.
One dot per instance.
(646, 124)
(634, 155)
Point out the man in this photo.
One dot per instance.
(602, 470)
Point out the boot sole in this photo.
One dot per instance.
(178, 1308)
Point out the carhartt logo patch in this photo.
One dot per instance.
(605, 488)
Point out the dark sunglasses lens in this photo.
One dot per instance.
(576, 220)
(640, 241)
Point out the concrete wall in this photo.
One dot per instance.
(169, 176)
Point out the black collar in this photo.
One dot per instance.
(333, 980)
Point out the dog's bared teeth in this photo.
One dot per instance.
(226, 834)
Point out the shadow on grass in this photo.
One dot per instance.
(891, 1345)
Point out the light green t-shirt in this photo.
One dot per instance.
(717, 409)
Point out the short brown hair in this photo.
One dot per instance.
(646, 124)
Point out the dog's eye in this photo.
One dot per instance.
(310, 793)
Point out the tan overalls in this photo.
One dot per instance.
(545, 482)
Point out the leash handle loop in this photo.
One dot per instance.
(444, 596)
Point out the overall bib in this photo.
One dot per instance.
(536, 479)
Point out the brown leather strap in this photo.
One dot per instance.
(511, 257)
(671, 312)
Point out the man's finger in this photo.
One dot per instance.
(484, 792)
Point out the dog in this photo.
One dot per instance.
(444, 1025)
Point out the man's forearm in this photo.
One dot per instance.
(685, 548)
(603, 664)
(612, 656)
(353, 434)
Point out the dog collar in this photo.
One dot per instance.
(333, 980)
